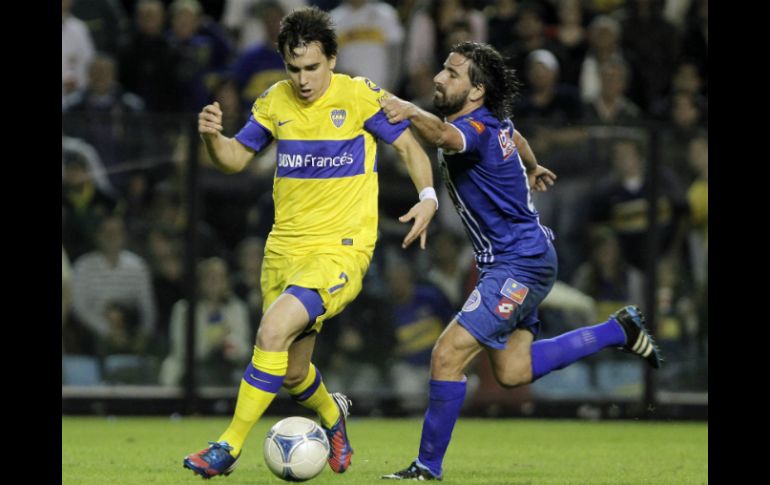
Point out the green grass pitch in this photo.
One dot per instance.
(126, 451)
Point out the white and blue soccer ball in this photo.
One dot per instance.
(296, 449)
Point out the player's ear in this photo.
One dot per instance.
(332, 62)
(476, 92)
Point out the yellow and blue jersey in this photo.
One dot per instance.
(325, 187)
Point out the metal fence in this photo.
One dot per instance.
(157, 243)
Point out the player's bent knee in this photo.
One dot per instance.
(444, 360)
(514, 377)
(294, 377)
(272, 337)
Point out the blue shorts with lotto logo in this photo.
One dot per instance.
(506, 298)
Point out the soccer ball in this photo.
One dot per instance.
(296, 449)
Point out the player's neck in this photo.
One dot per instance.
(469, 107)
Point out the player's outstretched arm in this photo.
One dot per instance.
(418, 165)
(228, 154)
(429, 126)
(540, 178)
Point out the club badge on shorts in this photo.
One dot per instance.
(473, 301)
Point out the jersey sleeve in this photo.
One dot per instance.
(258, 131)
(472, 131)
(375, 121)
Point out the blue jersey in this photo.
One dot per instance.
(488, 184)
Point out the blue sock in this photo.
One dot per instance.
(561, 351)
(446, 399)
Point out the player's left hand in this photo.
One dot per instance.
(540, 179)
(395, 109)
(422, 212)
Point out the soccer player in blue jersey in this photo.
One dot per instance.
(326, 127)
(489, 171)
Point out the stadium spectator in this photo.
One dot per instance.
(259, 65)
(687, 121)
(202, 50)
(427, 25)
(113, 294)
(448, 270)
(686, 80)
(370, 38)
(528, 37)
(612, 106)
(698, 197)
(106, 116)
(106, 20)
(418, 315)
(84, 204)
(147, 64)
(547, 98)
(572, 38)
(604, 35)
(77, 51)
(607, 277)
(695, 44)
(164, 251)
(501, 21)
(222, 332)
(250, 252)
(87, 152)
(620, 201)
(245, 22)
(651, 45)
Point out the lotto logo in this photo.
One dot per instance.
(505, 308)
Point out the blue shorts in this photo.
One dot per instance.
(506, 298)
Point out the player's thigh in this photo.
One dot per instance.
(506, 298)
(284, 320)
(273, 278)
(337, 276)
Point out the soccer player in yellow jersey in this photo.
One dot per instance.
(326, 127)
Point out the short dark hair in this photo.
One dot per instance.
(488, 69)
(305, 25)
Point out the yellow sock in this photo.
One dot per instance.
(261, 382)
(312, 394)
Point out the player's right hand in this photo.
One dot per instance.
(396, 109)
(210, 120)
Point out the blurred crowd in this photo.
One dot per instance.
(607, 87)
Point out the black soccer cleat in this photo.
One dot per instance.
(413, 472)
(638, 339)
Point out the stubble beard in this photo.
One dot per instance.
(449, 105)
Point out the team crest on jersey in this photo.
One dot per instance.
(338, 117)
(372, 86)
(514, 290)
(473, 301)
(505, 308)
(477, 125)
(506, 142)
